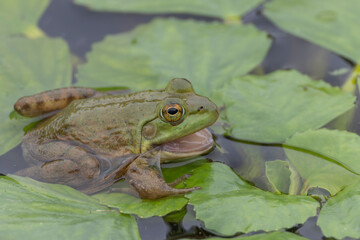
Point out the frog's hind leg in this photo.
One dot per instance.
(59, 171)
(148, 182)
(60, 162)
(52, 100)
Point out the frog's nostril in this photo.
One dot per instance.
(200, 108)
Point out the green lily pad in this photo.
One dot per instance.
(208, 54)
(340, 216)
(268, 236)
(340, 146)
(329, 23)
(246, 208)
(21, 17)
(28, 67)
(325, 158)
(172, 171)
(273, 107)
(278, 174)
(34, 210)
(213, 8)
(144, 208)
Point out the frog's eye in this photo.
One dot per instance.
(172, 113)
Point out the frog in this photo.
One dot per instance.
(94, 139)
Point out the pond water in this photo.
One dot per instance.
(81, 28)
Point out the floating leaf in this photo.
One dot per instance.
(147, 208)
(213, 8)
(325, 158)
(34, 210)
(340, 216)
(223, 193)
(273, 107)
(144, 208)
(268, 236)
(331, 24)
(340, 146)
(208, 54)
(21, 17)
(28, 67)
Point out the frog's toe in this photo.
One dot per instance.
(187, 190)
(179, 180)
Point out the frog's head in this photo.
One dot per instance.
(179, 127)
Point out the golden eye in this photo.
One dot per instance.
(172, 112)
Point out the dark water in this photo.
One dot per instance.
(81, 28)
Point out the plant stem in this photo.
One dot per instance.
(350, 83)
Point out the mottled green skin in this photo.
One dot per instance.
(92, 138)
(107, 125)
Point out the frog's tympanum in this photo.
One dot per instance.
(96, 139)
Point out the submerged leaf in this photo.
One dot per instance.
(28, 67)
(268, 236)
(340, 216)
(278, 174)
(325, 158)
(21, 17)
(273, 107)
(173, 171)
(34, 210)
(214, 8)
(331, 24)
(208, 54)
(246, 208)
(144, 208)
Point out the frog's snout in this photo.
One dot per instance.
(210, 108)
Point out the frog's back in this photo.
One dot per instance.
(103, 123)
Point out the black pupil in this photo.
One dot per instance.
(172, 111)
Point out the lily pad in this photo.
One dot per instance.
(340, 216)
(208, 54)
(273, 107)
(28, 67)
(34, 210)
(172, 171)
(329, 23)
(144, 208)
(213, 8)
(20, 17)
(223, 193)
(268, 236)
(325, 158)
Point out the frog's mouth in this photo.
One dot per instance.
(195, 144)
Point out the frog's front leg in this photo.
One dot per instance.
(148, 182)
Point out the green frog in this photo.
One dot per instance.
(95, 139)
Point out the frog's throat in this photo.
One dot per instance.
(195, 144)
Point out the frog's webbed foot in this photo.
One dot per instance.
(148, 182)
